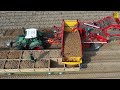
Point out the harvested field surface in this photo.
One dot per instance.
(72, 44)
(17, 32)
(4, 40)
(2, 32)
(13, 32)
(42, 63)
(26, 64)
(113, 45)
(9, 32)
(42, 19)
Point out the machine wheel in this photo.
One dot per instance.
(96, 46)
(38, 48)
(81, 66)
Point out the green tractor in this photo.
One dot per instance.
(31, 40)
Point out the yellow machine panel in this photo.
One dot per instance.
(70, 22)
(115, 15)
(72, 60)
(69, 25)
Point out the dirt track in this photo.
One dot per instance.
(69, 76)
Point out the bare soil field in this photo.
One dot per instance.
(43, 19)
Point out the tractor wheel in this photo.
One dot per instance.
(81, 65)
(96, 46)
(38, 48)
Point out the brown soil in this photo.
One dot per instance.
(16, 32)
(42, 64)
(3, 54)
(4, 40)
(14, 55)
(12, 64)
(13, 32)
(26, 64)
(72, 44)
(8, 32)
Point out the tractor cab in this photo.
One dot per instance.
(29, 41)
(31, 33)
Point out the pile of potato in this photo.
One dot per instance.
(11, 64)
(72, 44)
(42, 63)
(3, 54)
(2, 64)
(26, 64)
(14, 55)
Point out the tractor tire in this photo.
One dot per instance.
(96, 46)
(38, 48)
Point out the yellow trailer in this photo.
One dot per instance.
(72, 53)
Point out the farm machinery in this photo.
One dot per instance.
(73, 36)
(95, 34)
(92, 35)
(32, 39)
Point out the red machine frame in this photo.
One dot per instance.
(93, 37)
